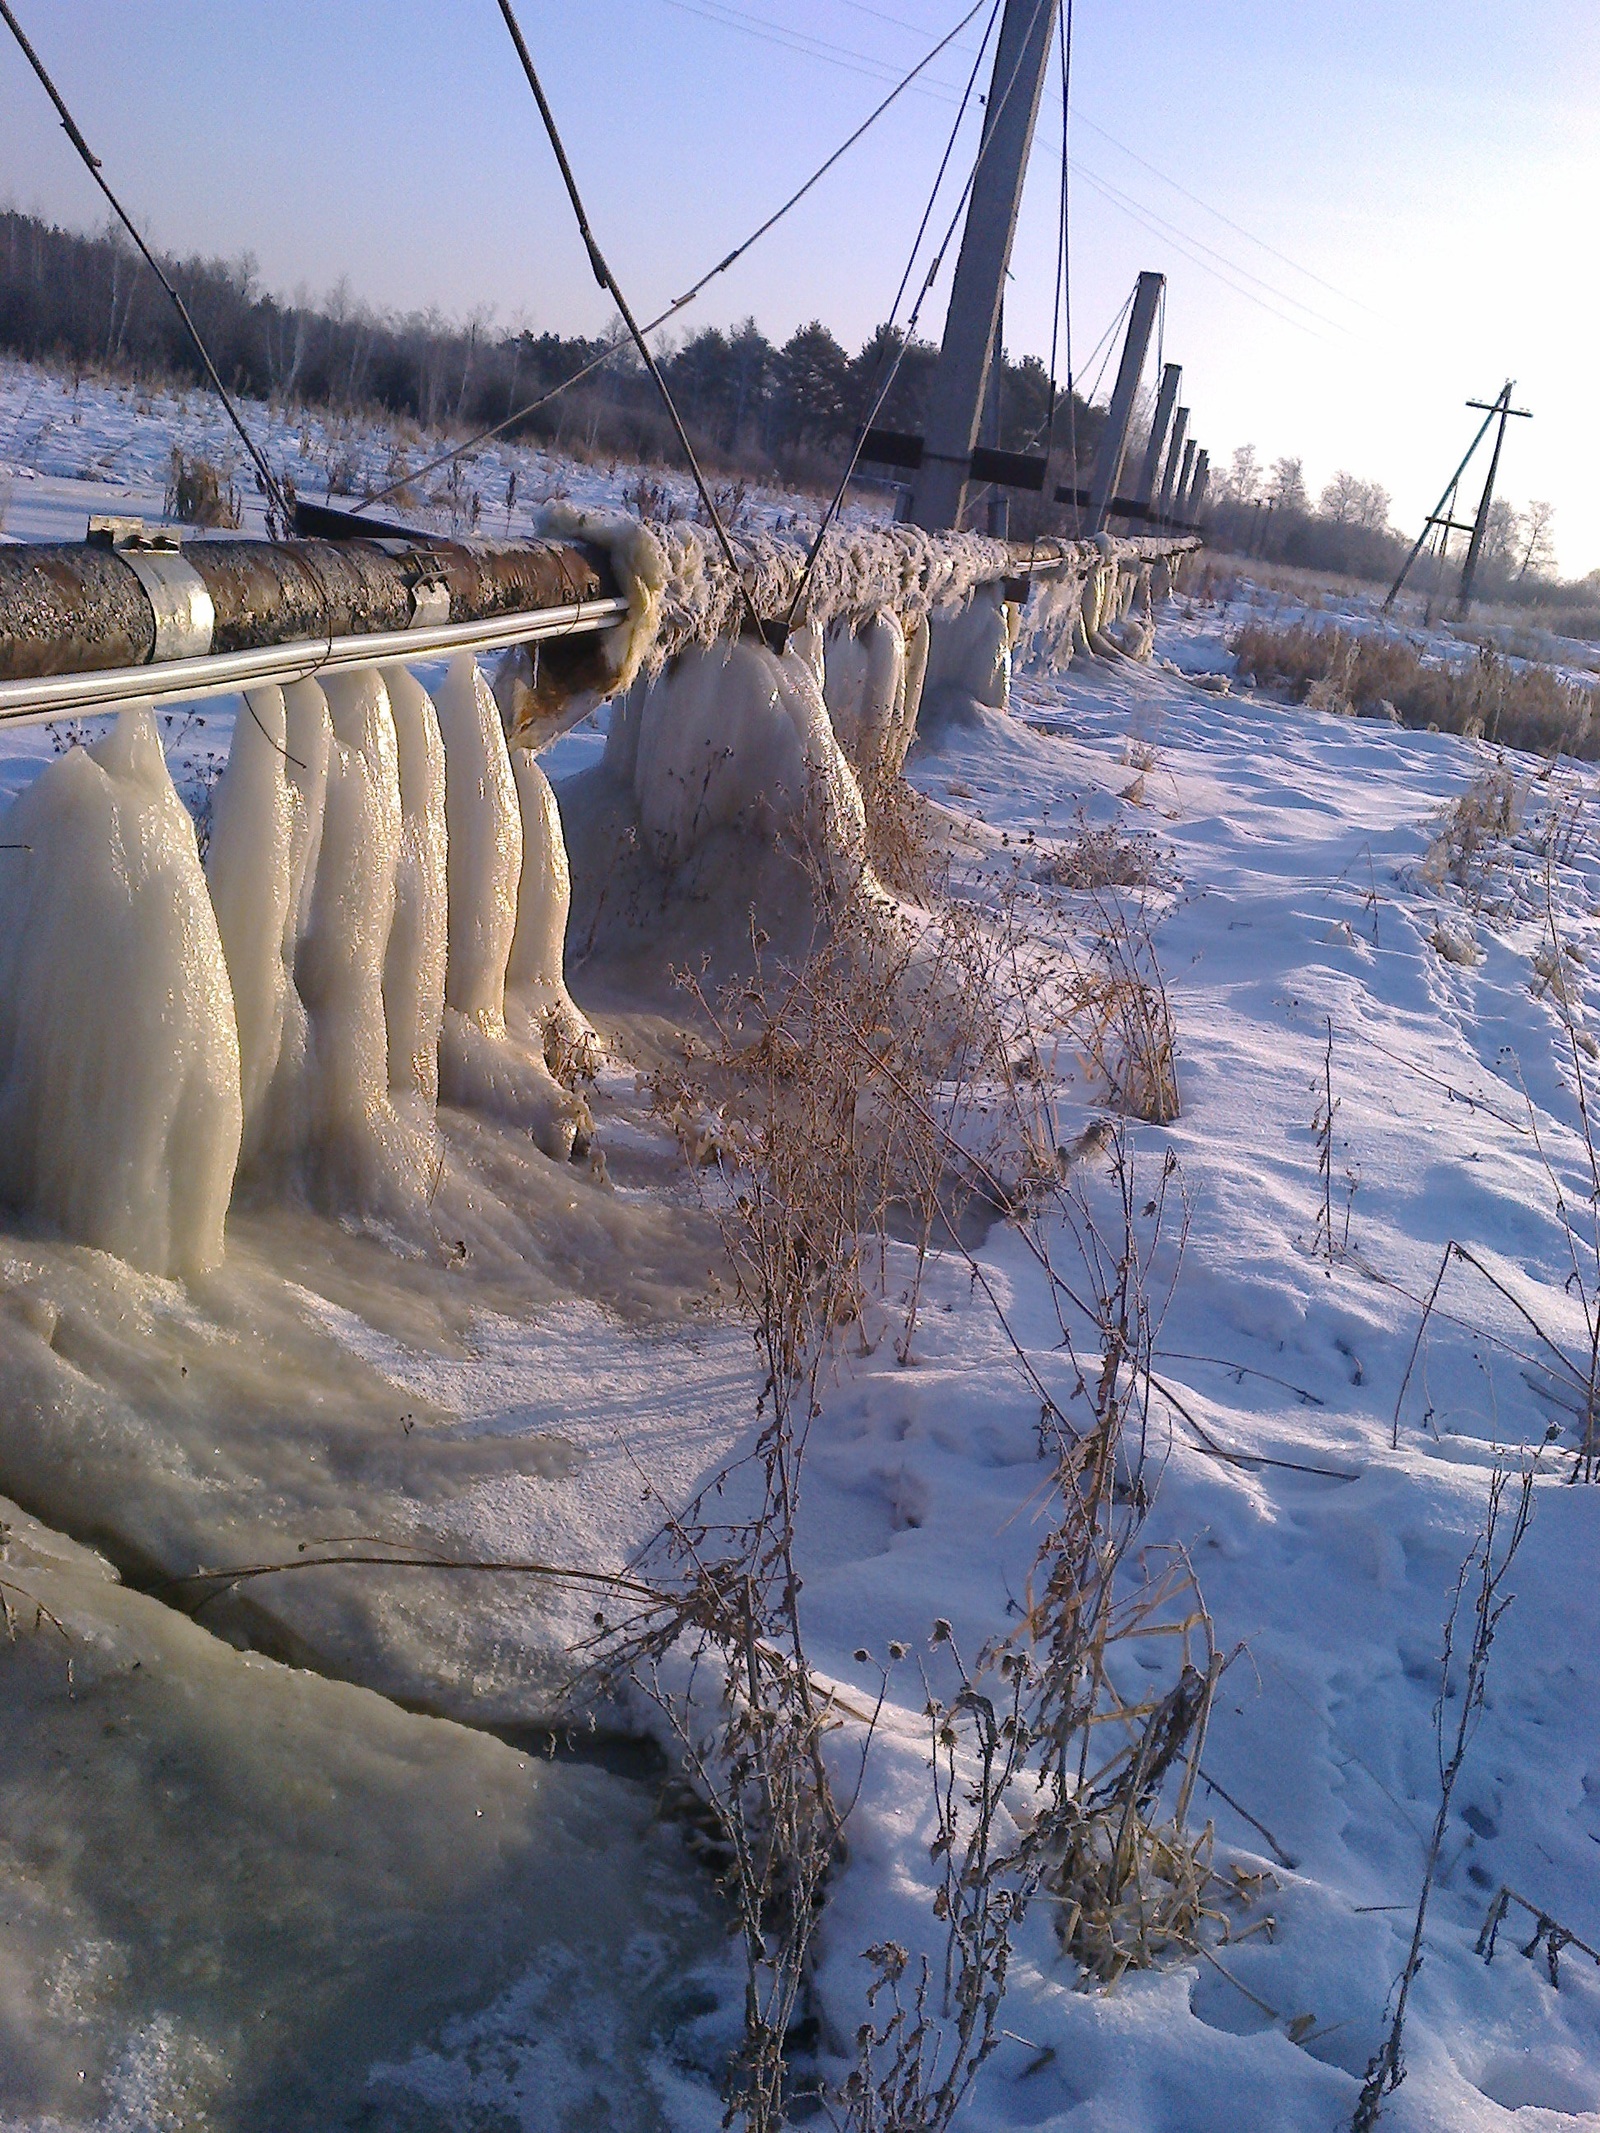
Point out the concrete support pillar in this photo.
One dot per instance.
(1166, 502)
(955, 404)
(1114, 438)
(1185, 481)
(1166, 401)
(997, 506)
(1197, 490)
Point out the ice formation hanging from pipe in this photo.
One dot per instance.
(380, 918)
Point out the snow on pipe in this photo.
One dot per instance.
(388, 885)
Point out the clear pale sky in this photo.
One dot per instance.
(1432, 172)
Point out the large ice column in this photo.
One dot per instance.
(916, 679)
(249, 873)
(535, 974)
(733, 737)
(969, 655)
(864, 686)
(414, 966)
(365, 1152)
(120, 1107)
(308, 732)
(480, 1064)
(289, 1114)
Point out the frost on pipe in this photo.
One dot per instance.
(536, 703)
(481, 1064)
(242, 1898)
(120, 1108)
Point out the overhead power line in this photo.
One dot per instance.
(732, 17)
(1184, 243)
(726, 16)
(879, 14)
(608, 281)
(680, 303)
(1227, 221)
(269, 482)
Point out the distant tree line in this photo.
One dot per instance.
(1267, 511)
(89, 303)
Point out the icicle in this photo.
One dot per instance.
(479, 1063)
(365, 1152)
(864, 688)
(287, 1120)
(248, 871)
(916, 677)
(414, 965)
(535, 978)
(120, 1108)
(308, 731)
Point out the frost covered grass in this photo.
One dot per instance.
(881, 1088)
(1518, 705)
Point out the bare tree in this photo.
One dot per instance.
(1287, 485)
(1372, 506)
(1538, 544)
(1340, 500)
(1244, 475)
(1501, 535)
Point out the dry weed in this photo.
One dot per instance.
(198, 494)
(888, 1083)
(1105, 859)
(1486, 697)
(1472, 837)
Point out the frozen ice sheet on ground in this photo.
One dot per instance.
(322, 1383)
(238, 1897)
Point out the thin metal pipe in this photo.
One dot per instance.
(219, 673)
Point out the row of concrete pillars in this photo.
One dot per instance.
(1174, 472)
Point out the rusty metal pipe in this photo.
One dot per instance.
(83, 606)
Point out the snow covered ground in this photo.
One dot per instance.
(517, 1402)
(70, 450)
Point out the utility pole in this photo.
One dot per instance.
(1501, 405)
(1185, 482)
(1166, 401)
(955, 404)
(1166, 502)
(1114, 437)
(1443, 517)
